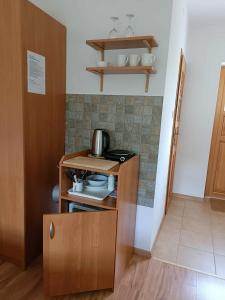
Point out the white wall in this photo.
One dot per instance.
(205, 53)
(87, 19)
(177, 41)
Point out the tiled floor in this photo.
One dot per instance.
(193, 235)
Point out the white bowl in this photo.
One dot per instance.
(91, 188)
(97, 180)
(102, 64)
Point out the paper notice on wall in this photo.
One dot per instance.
(35, 73)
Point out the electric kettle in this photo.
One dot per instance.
(100, 142)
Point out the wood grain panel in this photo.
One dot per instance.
(176, 129)
(126, 204)
(223, 127)
(215, 183)
(44, 117)
(11, 134)
(81, 255)
(123, 43)
(219, 183)
(145, 279)
(31, 126)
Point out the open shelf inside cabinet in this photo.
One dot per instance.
(107, 203)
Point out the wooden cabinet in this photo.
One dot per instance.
(81, 255)
(90, 250)
(31, 126)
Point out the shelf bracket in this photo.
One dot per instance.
(97, 47)
(101, 82)
(148, 45)
(102, 54)
(147, 82)
(102, 74)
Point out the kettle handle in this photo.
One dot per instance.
(106, 141)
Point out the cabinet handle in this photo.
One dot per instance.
(52, 230)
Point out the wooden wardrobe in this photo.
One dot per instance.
(31, 126)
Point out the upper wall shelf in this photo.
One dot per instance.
(123, 43)
(135, 42)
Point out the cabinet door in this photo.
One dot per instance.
(79, 252)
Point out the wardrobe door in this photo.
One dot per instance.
(11, 135)
(44, 118)
(79, 252)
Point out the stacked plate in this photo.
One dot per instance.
(96, 183)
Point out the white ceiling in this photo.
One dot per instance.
(209, 9)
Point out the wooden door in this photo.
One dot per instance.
(176, 127)
(215, 184)
(81, 255)
(44, 119)
(11, 135)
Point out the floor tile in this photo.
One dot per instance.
(197, 204)
(176, 210)
(201, 226)
(165, 250)
(169, 234)
(196, 213)
(196, 240)
(218, 226)
(196, 259)
(217, 214)
(178, 201)
(219, 245)
(217, 218)
(220, 265)
(210, 288)
(172, 222)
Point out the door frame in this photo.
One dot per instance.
(176, 111)
(216, 127)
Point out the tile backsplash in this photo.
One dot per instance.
(133, 123)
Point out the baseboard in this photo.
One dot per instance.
(214, 197)
(186, 197)
(142, 252)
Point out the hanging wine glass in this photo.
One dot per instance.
(130, 31)
(114, 32)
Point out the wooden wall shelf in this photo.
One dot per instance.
(122, 70)
(122, 43)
